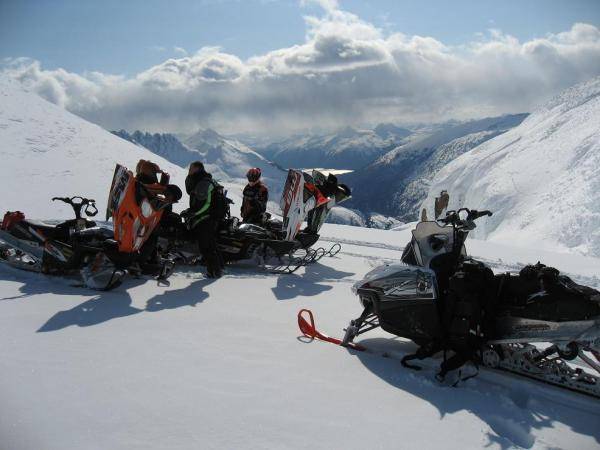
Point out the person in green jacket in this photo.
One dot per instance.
(200, 185)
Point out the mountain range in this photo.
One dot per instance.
(396, 183)
(226, 159)
(348, 148)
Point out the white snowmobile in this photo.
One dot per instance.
(533, 323)
(279, 245)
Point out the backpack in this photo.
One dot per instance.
(220, 203)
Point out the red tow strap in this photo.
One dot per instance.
(306, 323)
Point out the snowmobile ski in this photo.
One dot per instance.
(306, 323)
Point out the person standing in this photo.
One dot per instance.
(256, 196)
(201, 219)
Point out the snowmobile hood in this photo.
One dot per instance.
(379, 272)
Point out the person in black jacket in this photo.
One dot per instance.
(200, 185)
(256, 196)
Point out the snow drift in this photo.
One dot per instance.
(541, 179)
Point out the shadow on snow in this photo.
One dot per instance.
(309, 283)
(513, 407)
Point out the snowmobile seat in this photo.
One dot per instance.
(280, 247)
(250, 228)
(110, 245)
(44, 226)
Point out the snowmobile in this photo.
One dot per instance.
(279, 245)
(137, 209)
(77, 245)
(531, 323)
(101, 256)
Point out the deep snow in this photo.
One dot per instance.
(218, 364)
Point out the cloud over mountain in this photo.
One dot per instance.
(346, 72)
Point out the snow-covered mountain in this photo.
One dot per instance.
(541, 179)
(391, 131)
(345, 216)
(233, 157)
(163, 144)
(397, 183)
(47, 152)
(227, 159)
(348, 148)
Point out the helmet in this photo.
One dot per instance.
(174, 192)
(253, 174)
(145, 167)
(196, 166)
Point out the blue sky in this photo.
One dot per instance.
(125, 37)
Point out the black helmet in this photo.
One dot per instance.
(197, 164)
(173, 191)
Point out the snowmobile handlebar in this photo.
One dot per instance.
(454, 217)
(77, 203)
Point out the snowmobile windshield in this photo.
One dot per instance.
(430, 240)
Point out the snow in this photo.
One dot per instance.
(541, 179)
(218, 363)
(48, 152)
(397, 183)
(348, 148)
(346, 216)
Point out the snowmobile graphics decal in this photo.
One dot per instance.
(134, 220)
(291, 203)
(117, 191)
(411, 285)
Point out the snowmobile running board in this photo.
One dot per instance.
(523, 360)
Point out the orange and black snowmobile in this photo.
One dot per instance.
(137, 208)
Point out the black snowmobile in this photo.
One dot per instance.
(277, 246)
(530, 323)
(74, 246)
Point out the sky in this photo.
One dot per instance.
(272, 66)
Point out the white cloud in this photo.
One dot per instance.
(347, 71)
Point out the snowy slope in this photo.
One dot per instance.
(397, 183)
(46, 152)
(217, 364)
(541, 179)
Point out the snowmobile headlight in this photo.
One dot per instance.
(360, 285)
